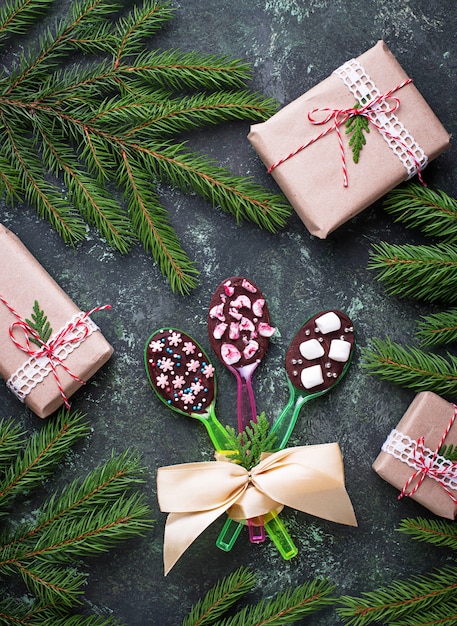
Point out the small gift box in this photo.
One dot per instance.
(367, 111)
(42, 367)
(410, 458)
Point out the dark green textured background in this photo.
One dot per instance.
(292, 45)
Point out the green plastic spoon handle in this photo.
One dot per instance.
(229, 534)
(218, 434)
(285, 423)
(279, 536)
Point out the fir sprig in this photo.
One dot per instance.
(434, 213)
(109, 123)
(40, 324)
(449, 452)
(251, 443)
(411, 367)
(438, 328)
(417, 271)
(356, 127)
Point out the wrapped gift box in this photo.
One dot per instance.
(313, 179)
(428, 416)
(22, 282)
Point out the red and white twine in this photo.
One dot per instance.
(66, 336)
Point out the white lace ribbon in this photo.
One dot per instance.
(35, 369)
(394, 133)
(403, 448)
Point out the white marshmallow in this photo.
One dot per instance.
(311, 349)
(328, 322)
(339, 350)
(312, 376)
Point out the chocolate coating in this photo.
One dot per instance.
(179, 371)
(239, 322)
(331, 370)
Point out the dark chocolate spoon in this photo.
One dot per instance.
(182, 376)
(239, 332)
(317, 359)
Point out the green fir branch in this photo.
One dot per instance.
(401, 600)
(410, 367)
(108, 122)
(16, 16)
(438, 532)
(237, 195)
(417, 271)
(443, 614)
(218, 600)
(434, 213)
(80, 620)
(175, 70)
(14, 612)
(42, 451)
(438, 328)
(153, 227)
(142, 23)
(11, 437)
(53, 585)
(286, 607)
(89, 516)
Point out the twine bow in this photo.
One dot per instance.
(306, 478)
(340, 116)
(430, 466)
(48, 349)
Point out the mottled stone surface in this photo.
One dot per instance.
(292, 44)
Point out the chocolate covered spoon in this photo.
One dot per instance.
(183, 377)
(239, 332)
(317, 359)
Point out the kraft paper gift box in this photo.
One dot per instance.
(22, 282)
(313, 179)
(428, 416)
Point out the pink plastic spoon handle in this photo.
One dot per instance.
(246, 405)
(256, 529)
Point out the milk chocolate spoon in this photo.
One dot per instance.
(183, 377)
(317, 359)
(239, 333)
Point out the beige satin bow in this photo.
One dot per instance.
(307, 478)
